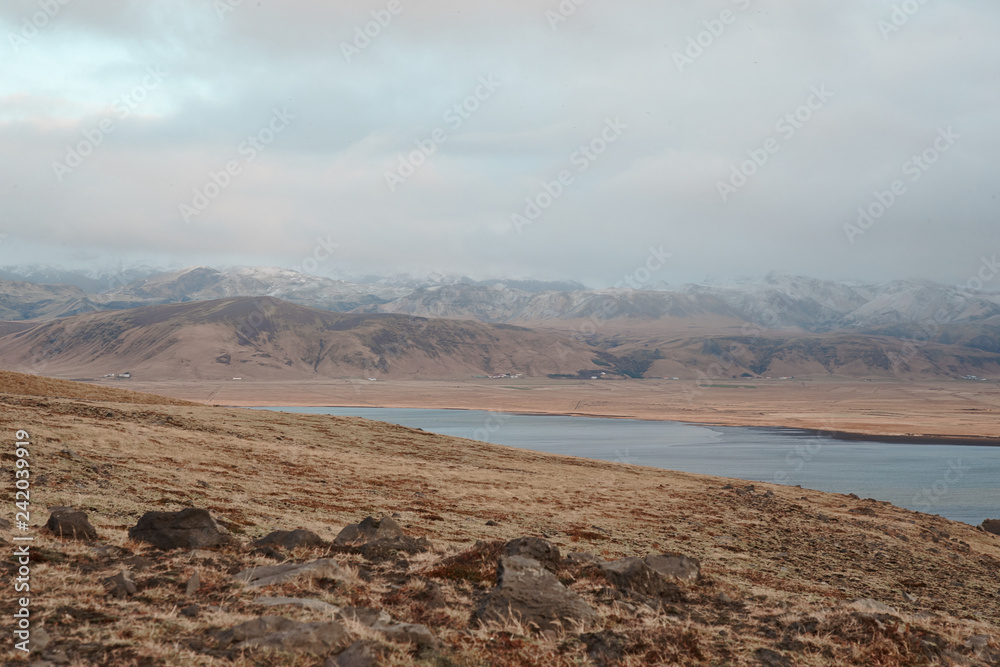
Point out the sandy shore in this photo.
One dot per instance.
(915, 411)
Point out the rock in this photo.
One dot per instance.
(530, 593)
(4, 524)
(379, 538)
(769, 494)
(977, 642)
(268, 575)
(72, 456)
(534, 548)
(121, 585)
(193, 584)
(633, 574)
(362, 653)
(39, 639)
(282, 634)
(290, 539)
(491, 522)
(674, 565)
(769, 658)
(304, 603)
(268, 552)
(580, 558)
(71, 523)
(604, 647)
(138, 563)
(991, 526)
(869, 606)
(191, 528)
(191, 611)
(408, 633)
(367, 616)
(865, 511)
(724, 598)
(728, 486)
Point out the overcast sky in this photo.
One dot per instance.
(114, 117)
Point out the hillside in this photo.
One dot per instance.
(762, 574)
(263, 338)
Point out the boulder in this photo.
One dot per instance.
(290, 539)
(408, 633)
(991, 526)
(193, 584)
(71, 523)
(376, 538)
(633, 574)
(531, 594)
(269, 575)
(534, 548)
(675, 565)
(282, 634)
(191, 528)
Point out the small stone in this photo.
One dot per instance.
(39, 639)
(362, 653)
(491, 522)
(191, 611)
(675, 565)
(580, 558)
(193, 584)
(203, 484)
(769, 494)
(4, 524)
(769, 658)
(724, 598)
(138, 563)
(121, 585)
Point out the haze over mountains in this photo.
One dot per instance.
(186, 323)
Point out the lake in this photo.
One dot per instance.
(959, 482)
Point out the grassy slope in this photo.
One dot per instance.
(799, 556)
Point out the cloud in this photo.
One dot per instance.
(357, 115)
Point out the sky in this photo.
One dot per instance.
(581, 139)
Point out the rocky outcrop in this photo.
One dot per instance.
(67, 522)
(529, 593)
(189, 528)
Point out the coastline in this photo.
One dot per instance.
(909, 439)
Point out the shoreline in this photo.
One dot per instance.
(846, 436)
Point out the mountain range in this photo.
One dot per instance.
(453, 326)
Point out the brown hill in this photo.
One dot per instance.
(266, 338)
(787, 575)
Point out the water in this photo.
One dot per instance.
(956, 481)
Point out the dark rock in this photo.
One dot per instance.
(4, 524)
(769, 494)
(71, 523)
(674, 565)
(633, 574)
(290, 539)
(534, 548)
(604, 647)
(580, 558)
(268, 552)
(491, 522)
(991, 526)
(727, 487)
(191, 528)
(769, 658)
(282, 634)
(191, 611)
(362, 653)
(121, 585)
(379, 539)
(866, 511)
(531, 594)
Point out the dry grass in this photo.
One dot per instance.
(790, 564)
